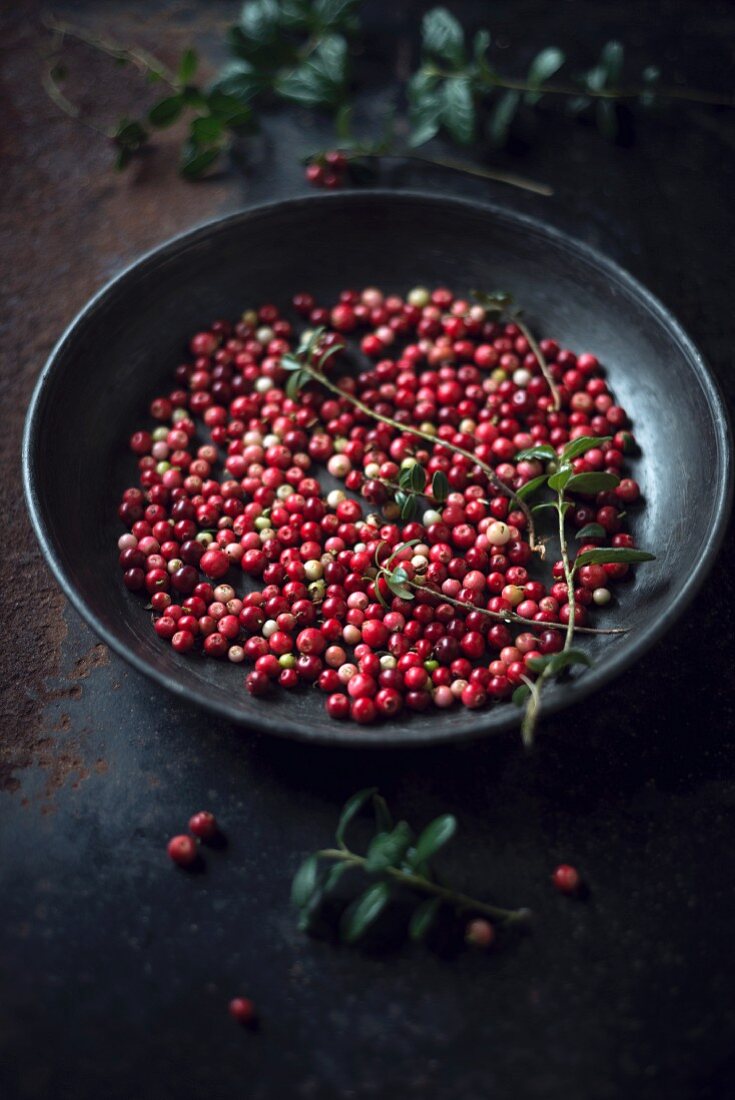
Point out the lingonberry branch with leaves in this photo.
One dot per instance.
(395, 860)
(298, 52)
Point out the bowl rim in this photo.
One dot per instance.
(434, 734)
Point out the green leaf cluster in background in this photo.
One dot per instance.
(293, 50)
(296, 51)
(458, 91)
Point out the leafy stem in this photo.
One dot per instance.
(459, 902)
(564, 480)
(302, 361)
(512, 616)
(394, 859)
(144, 61)
(452, 164)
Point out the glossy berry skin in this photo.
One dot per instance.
(182, 850)
(203, 825)
(242, 1010)
(566, 879)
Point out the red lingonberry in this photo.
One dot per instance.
(566, 879)
(182, 850)
(204, 825)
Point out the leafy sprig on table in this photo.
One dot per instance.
(396, 863)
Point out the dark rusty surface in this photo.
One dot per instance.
(114, 969)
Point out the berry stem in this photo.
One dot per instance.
(688, 95)
(463, 166)
(528, 726)
(423, 885)
(143, 60)
(511, 616)
(533, 344)
(487, 470)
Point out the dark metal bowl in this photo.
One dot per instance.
(121, 349)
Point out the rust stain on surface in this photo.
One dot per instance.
(68, 223)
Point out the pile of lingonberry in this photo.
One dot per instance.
(228, 487)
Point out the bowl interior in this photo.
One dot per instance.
(122, 349)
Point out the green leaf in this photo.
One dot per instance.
(608, 554)
(206, 129)
(309, 913)
(335, 13)
(424, 108)
(611, 60)
(334, 875)
(343, 123)
(442, 36)
(188, 65)
(531, 486)
(440, 487)
(591, 531)
(320, 81)
(304, 882)
(520, 695)
(398, 578)
(558, 480)
(501, 118)
(436, 834)
(480, 46)
(383, 818)
(239, 80)
(388, 849)
(544, 65)
(580, 446)
(166, 111)
(327, 355)
(194, 164)
(407, 505)
(606, 117)
(538, 664)
(422, 919)
(497, 301)
(296, 381)
(362, 914)
(458, 112)
(229, 108)
(546, 504)
(350, 809)
(592, 483)
(568, 657)
(131, 134)
(123, 158)
(576, 104)
(542, 451)
(413, 477)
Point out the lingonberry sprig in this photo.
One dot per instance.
(563, 479)
(395, 863)
(307, 363)
(298, 52)
(405, 588)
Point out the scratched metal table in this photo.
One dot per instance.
(115, 970)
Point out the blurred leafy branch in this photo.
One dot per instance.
(298, 51)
